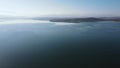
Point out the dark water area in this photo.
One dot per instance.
(50, 45)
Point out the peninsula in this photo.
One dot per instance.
(89, 19)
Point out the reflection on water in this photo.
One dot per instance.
(51, 45)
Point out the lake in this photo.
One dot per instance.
(29, 44)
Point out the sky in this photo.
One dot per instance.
(60, 7)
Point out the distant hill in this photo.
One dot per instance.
(90, 19)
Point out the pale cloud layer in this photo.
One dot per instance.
(60, 7)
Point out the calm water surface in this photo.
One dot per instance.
(60, 45)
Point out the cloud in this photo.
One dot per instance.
(3, 12)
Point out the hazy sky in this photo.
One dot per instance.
(60, 7)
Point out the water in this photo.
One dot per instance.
(59, 45)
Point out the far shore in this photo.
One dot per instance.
(79, 20)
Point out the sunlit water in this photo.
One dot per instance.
(35, 44)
